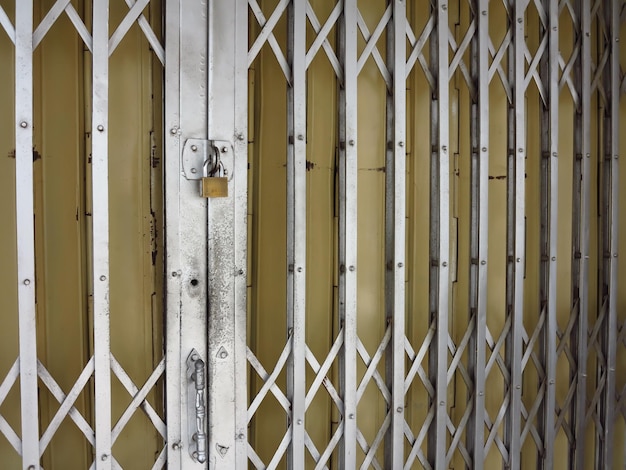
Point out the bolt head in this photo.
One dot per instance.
(194, 148)
(100, 128)
(103, 278)
(194, 171)
(23, 124)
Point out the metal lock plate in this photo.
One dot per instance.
(214, 186)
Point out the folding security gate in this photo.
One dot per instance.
(408, 257)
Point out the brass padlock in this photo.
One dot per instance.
(215, 186)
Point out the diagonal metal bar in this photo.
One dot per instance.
(271, 379)
(139, 398)
(152, 38)
(53, 14)
(276, 391)
(267, 35)
(5, 388)
(371, 371)
(131, 17)
(7, 25)
(322, 37)
(321, 373)
(371, 49)
(417, 52)
(67, 404)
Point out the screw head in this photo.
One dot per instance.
(399, 409)
(100, 128)
(299, 421)
(351, 416)
(104, 457)
(483, 262)
(401, 144)
(23, 124)
(26, 282)
(224, 149)
(194, 171)
(194, 148)
(351, 268)
(103, 278)
(351, 143)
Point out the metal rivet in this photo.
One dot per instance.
(351, 416)
(444, 264)
(240, 137)
(615, 157)
(518, 387)
(26, 282)
(483, 262)
(100, 128)
(519, 20)
(194, 148)
(103, 278)
(444, 7)
(444, 148)
(554, 154)
(518, 259)
(551, 382)
(351, 143)
(299, 270)
(174, 274)
(194, 171)
(300, 137)
(174, 130)
(400, 265)
(442, 403)
(223, 355)
(481, 393)
(299, 421)
(484, 12)
(588, 155)
(194, 357)
(401, 144)
(554, 258)
(399, 409)
(31, 467)
(224, 149)
(240, 272)
(241, 436)
(23, 124)
(520, 150)
(351, 268)
(614, 255)
(484, 149)
(176, 446)
(104, 457)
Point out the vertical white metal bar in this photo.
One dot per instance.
(479, 230)
(440, 236)
(173, 359)
(296, 229)
(549, 223)
(516, 228)
(395, 243)
(611, 206)
(348, 174)
(581, 223)
(26, 232)
(100, 218)
(241, 231)
(227, 87)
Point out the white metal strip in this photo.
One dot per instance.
(479, 230)
(131, 17)
(516, 229)
(581, 233)
(100, 256)
(611, 183)
(24, 207)
(440, 236)
(348, 175)
(395, 210)
(240, 84)
(550, 188)
(296, 230)
(172, 149)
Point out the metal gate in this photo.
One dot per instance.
(412, 261)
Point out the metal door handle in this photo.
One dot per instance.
(198, 376)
